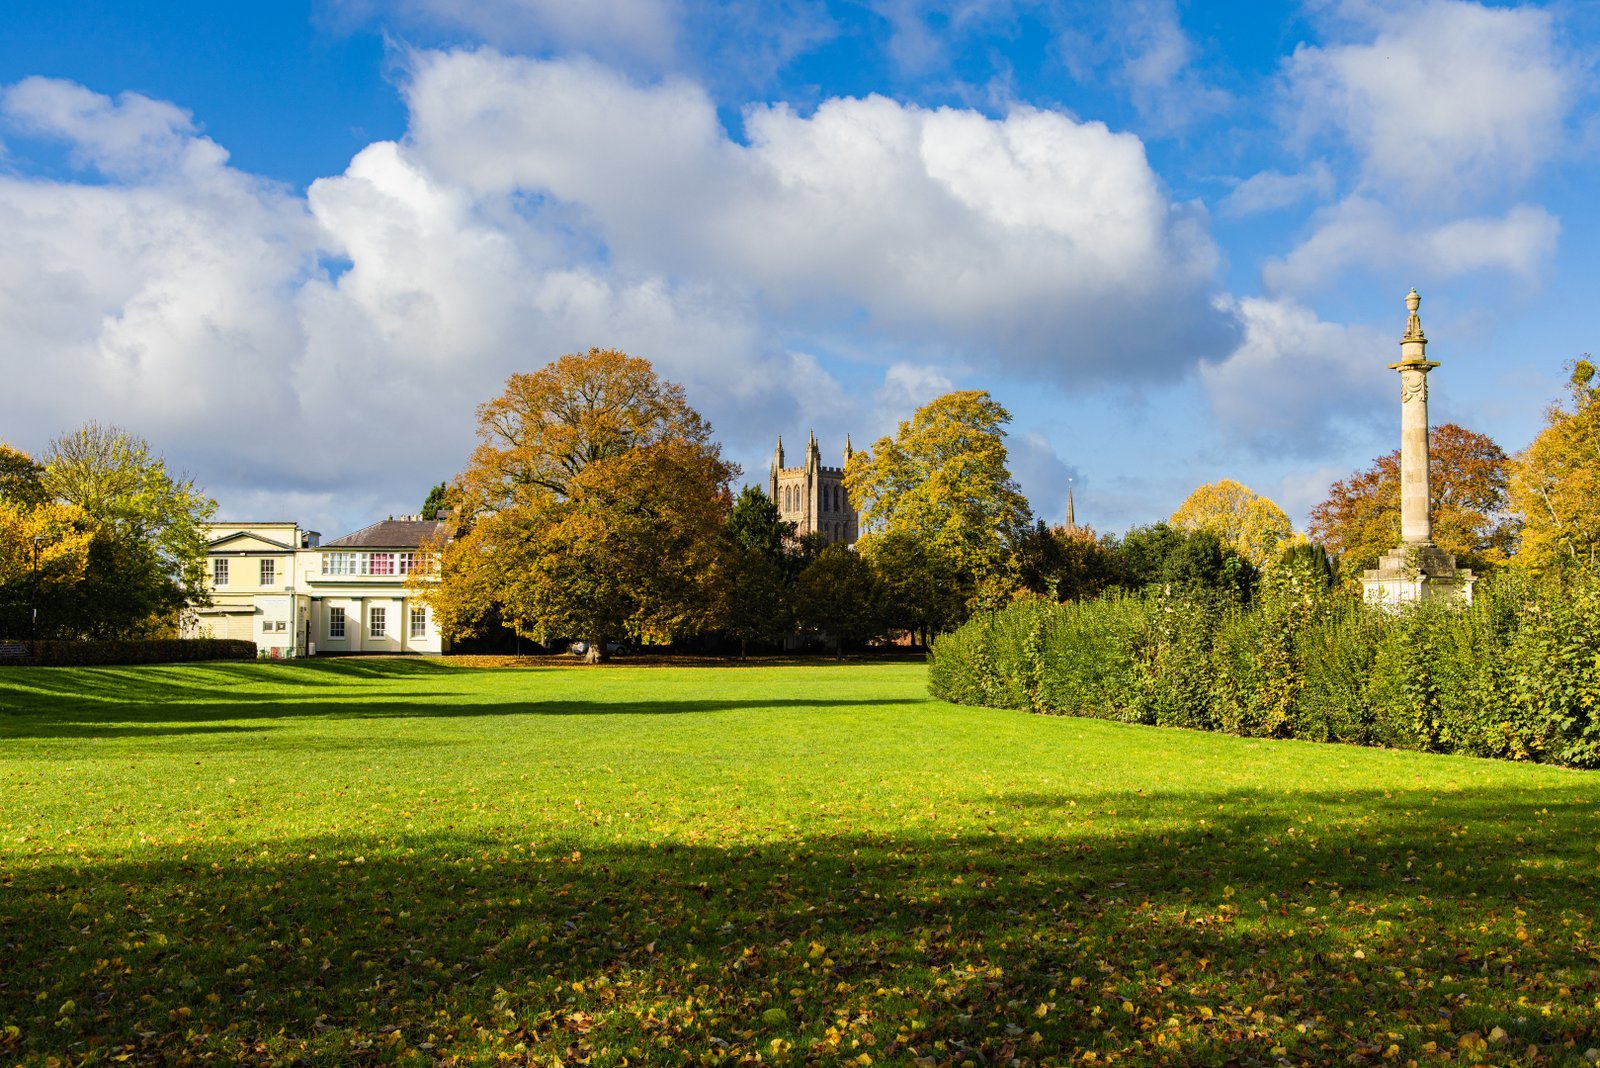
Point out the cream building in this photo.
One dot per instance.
(293, 595)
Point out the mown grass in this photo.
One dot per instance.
(405, 861)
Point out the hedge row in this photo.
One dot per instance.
(152, 651)
(1514, 675)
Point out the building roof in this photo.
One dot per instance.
(388, 534)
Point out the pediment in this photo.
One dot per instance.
(243, 541)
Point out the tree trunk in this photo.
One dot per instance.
(597, 652)
(744, 644)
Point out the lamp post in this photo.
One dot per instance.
(33, 622)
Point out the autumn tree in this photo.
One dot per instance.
(1468, 477)
(1248, 523)
(593, 507)
(1555, 482)
(942, 479)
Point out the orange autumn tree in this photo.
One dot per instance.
(592, 508)
(1468, 477)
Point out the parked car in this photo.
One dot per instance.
(582, 648)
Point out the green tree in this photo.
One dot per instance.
(915, 590)
(435, 502)
(755, 525)
(943, 479)
(836, 596)
(1189, 560)
(1251, 525)
(1468, 479)
(755, 597)
(1555, 482)
(148, 557)
(593, 507)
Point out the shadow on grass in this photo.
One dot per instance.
(1181, 927)
(46, 718)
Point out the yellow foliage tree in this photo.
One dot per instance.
(1555, 482)
(1250, 524)
(943, 480)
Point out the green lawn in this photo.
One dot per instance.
(374, 861)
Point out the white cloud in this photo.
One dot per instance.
(1272, 191)
(130, 137)
(1441, 99)
(1295, 379)
(331, 347)
(1359, 232)
(996, 236)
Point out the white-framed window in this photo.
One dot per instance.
(341, 563)
(219, 572)
(269, 572)
(377, 622)
(419, 623)
(380, 563)
(407, 562)
(336, 622)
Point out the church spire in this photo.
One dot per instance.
(777, 455)
(1072, 519)
(848, 451)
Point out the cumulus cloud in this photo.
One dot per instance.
(1000, 236)
(1296, 380)
(1441, 98)
(1359, 232)
(331, 347)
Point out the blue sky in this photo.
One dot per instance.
(295, 244)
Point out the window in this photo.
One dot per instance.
(377, 622)
(380, 563)
(219, 572)
(339, 563)
(269, 572)
(419, 622)
(336, 622)
(407, 563)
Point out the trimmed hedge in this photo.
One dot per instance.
(152, 651)
(1515, 675)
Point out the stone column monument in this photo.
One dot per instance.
(1416, 570)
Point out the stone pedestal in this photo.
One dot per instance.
(1416, 573)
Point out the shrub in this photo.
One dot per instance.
(1516, 674)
